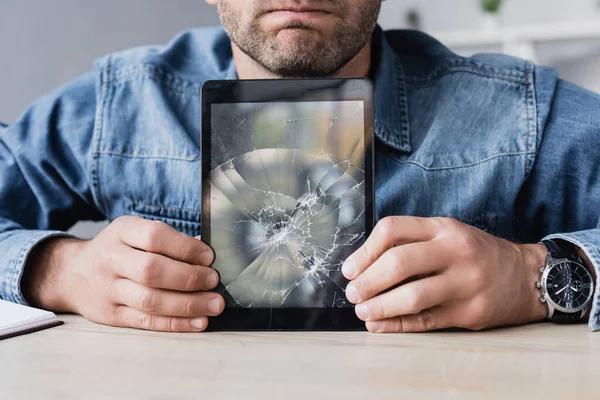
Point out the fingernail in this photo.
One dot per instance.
(212, 280)
(375, 326)
(352, 294)
(362, 311)
(214, 306)
(206, 258)
(197, 323)
(348, 269)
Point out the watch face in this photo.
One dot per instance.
(568, 286)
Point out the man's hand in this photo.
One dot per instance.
(136, 273)
(423, 274)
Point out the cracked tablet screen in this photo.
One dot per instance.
(287, 200)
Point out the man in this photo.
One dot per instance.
(493, 153)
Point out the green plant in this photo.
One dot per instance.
(413, 19)
(491, 6)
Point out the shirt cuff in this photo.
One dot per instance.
(15, 247)
(589, 242)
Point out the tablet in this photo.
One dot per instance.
(287, 196)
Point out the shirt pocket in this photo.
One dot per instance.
(481, 195)
(183, 220)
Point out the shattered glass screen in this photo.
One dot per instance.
(287, 200)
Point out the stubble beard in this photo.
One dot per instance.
(304, 55)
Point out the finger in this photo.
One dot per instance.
(395, 266)
(427, 320)
(408, 299)
(160, 272)
(127, 317)
(166, 302)
(389, 232)
(159, 238)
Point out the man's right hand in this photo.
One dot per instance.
(136, 273)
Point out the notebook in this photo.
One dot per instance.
(17, 320)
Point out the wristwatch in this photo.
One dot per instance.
(566, 284)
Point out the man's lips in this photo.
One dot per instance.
(299, 9)
(295, 14)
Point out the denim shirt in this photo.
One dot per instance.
(493, 141)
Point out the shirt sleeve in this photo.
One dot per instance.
(560, 198)
(44, 176)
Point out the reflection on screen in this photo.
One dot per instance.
(287, 200)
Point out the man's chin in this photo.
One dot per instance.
(298, 61)
(299, 67)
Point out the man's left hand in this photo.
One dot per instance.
(422, 274)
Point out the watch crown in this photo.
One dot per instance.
(538, 284)
(543, 299)
(542, 269)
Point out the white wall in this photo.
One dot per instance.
(444, 15)
(45, 43)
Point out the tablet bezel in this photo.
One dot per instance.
(287, 90)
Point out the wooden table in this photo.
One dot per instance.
(84, 360)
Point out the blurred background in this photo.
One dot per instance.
(46, 43)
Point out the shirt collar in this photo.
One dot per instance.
(391, 123)
(390, 95)
(231, 72)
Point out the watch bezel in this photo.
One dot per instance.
(550, 265)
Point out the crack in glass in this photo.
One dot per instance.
(287, 200)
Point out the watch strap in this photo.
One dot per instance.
(567, 318)
(557, 251)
